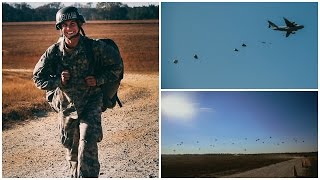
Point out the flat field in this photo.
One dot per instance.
(138, 41)
(24, 43)
(222, 165)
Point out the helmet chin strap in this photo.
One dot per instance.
(82, 31)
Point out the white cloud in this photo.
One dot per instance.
(205, 109)
(178, 106)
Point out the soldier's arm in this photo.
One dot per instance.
(110, 62)
(44, 73)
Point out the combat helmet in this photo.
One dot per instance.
(68, 13)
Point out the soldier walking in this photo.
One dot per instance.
(73, 89)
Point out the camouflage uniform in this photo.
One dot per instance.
(78, 105)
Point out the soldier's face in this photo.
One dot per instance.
(70, 29)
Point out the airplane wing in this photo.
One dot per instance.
(289, 23)
(288, 33)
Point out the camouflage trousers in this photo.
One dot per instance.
(80, 131)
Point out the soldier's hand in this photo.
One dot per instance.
(91, 81)
(65, 76)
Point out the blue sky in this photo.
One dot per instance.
(213, 30)
(238, 122)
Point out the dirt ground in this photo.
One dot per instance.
(294, 168)
(130, 148)
(273, 165)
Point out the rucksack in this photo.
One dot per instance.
(110, 90)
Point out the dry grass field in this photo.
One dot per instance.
(20, 98)
(221, 165)
(24, 43)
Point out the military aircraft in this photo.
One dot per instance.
(290, 28)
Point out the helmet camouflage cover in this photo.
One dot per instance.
(68, 13)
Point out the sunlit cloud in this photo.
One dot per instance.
(178, 106)
(182, 106)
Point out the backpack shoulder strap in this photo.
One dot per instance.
(57, 57)
(89, 53)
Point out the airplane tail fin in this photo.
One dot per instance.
(272, 25)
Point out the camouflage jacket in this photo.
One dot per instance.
(107, 67)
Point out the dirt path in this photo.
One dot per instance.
(17, 70)
(129, 148)
(287, 169)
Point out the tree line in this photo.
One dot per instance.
(23, 12)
